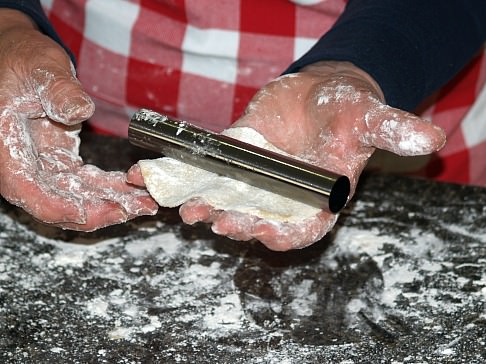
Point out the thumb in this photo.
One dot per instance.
(62, 95)
(401, 132)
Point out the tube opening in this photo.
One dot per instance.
(339, 194)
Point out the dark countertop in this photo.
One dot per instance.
(401, 279)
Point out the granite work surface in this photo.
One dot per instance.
(401, 279)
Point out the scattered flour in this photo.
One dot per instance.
(417, 247)
(57, 350)
(165, 242)
(229, 314)
(172, 183)
(97, 307)
(305, 299)
(160, 284)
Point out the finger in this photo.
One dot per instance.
(61, 94)
(102, 206)
(41, 201)
(96, 177)
(283, 237)
(196, 210)
(401, 132)
(99, 214)
(112, 186)
(234, 225)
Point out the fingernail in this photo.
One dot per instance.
(77, 109)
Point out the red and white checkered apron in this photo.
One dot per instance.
(203, 60)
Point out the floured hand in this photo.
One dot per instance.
(332, 115)
(41, 107)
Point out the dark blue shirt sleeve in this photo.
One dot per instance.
(410, 47)
(33, 8)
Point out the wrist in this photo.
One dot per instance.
(11, 18)
(346, 69)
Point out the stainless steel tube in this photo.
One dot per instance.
(242, 161)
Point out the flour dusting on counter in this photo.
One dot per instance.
(178, 294)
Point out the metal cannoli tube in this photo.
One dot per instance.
(242, 161)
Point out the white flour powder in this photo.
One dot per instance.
(152, 283)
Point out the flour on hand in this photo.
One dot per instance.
(171, 183)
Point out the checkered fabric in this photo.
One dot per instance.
(460, 108)
(203, 60)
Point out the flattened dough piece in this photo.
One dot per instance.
(171, 183)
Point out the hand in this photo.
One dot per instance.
(333, 115)
(41, 107)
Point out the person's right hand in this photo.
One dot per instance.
(42, 105)
(330, 114)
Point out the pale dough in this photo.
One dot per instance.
(171, 183)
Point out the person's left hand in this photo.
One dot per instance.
(331, 115)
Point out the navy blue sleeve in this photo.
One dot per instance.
(33, 9)
(410, 47)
